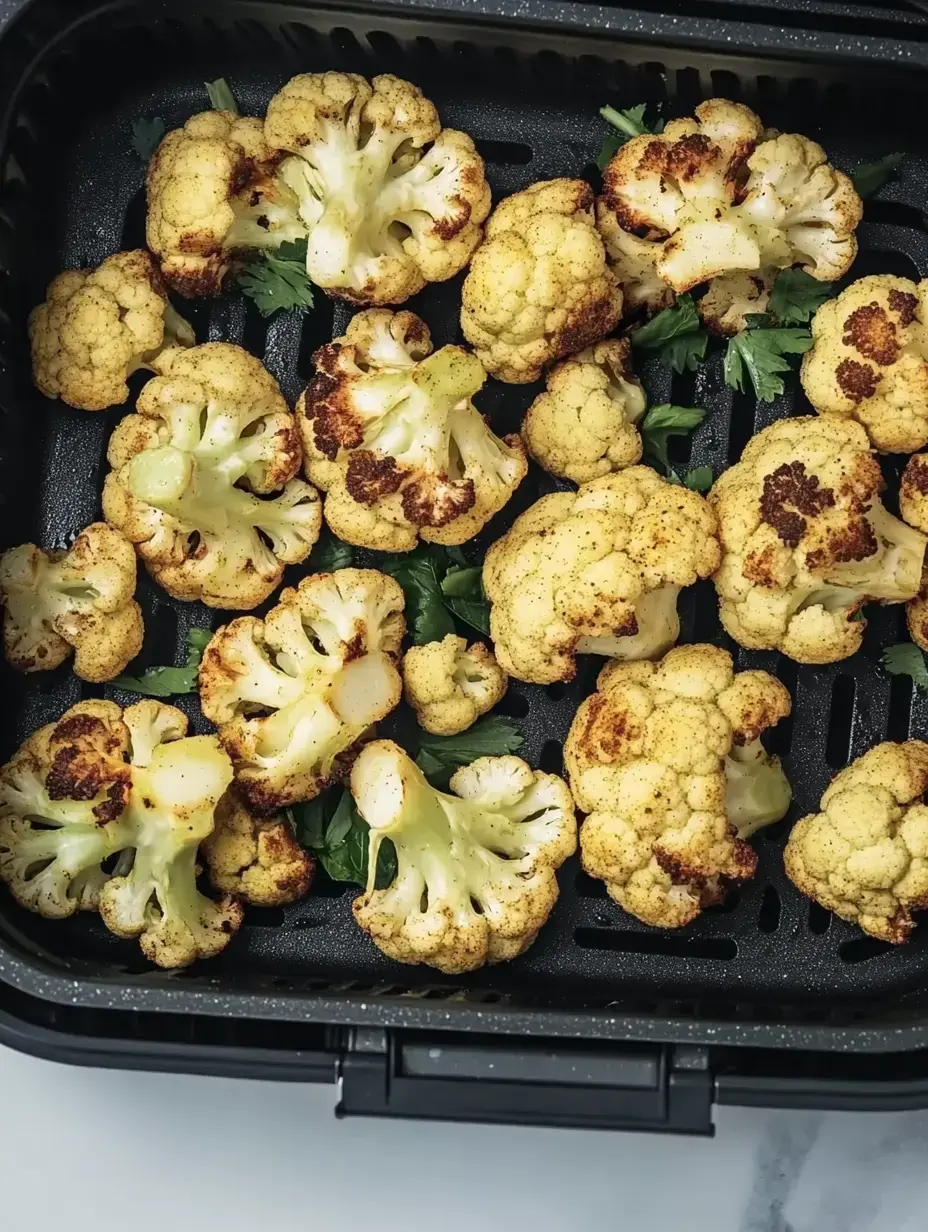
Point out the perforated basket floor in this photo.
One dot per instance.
(71, 193)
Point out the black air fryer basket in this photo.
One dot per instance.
(767, 999)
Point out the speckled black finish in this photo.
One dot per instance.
(765, 968)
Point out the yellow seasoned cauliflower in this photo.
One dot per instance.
(450, 685)
(583, 425)
(633, 261)
(538, 287)
(203, 480)
(79, 601)
(869, 360)
(98, 326)
(258, 860)
(731, 298)
(806, 541)
(864, 855)
(596, 571)
(913, 506)
(666, 759)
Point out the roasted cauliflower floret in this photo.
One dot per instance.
(391, 434)
(388, 199)
(450, 684)
(102, 783)
(79, 601)
(806, 541)
(258, 860)
(864, 855)
(98, 326)
(476, 869)
(633, 261)
(731, 298)
(538, 288)
(869, 360)
(666, 759)
(294, 693)
(202, 480)
(583, 425)
(596, 571)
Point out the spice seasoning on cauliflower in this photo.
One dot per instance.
(869, 360)
(258, 860)
(806, 541)
(538, 288)
(202, 480)
(913, 506)
(79, 601)
(450, 684)
(864, 855)
(476, 866)
(666, 759)
(392, 436)
(732, 298)
(596, 571)
(96, 327)
(583, 425)
(294, 694)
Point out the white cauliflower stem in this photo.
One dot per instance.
(450, 684)
(475, 877)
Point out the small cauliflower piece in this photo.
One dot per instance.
(869, 360)
(476, 869)
(864, 855)
(913, 506)
(98, 326)
(596, 571)
(391, 434)
(450, 685)
(667, 761)
(203, 480)
(79, 601)
(294, 693)
(583, 425)
(389, 200)
(806, 541)
(257, 860)
(633, 261)
(731, 298)
(539, 288)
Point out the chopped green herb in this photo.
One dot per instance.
(905, 659)
(278, 279)
(758, 354)
(146, 136)
(797, 296)
(660, 424)
(676, 334)
(870, 178)
(220, 94)
(332, 829)
(169, 681)
(440, 756)
(625, 124)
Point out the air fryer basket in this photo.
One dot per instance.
(71, 193)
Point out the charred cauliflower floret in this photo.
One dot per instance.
(869, 360)
(79, 601)
(538, 287)
(806, 541)
(392, 436)
(476, 869)
(98, 326)
(583, 425)
(864, 855)
(450, 684)
(913, 506)
(596, 571)
(633, 261)
(294, 693)
(388, 199)
(202, 480)
(100, 783)
(666, 758)
(257, 859)
(731, 298)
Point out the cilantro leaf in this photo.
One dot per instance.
(330, 554)
(797, 296)
(676, 334)
(905, 659)
(626, 124)
(427, 617)
(699, 479)
(660, 424)
(278, 279)
(462, 591)
(168, 681)
(146, 136)
(440, 756)
(870, 178)
(332, 829)
(758, 354)
(220, 94)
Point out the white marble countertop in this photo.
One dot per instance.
(107, 1151)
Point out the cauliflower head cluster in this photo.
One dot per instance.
(391, 435)
(450, 684)
(806, 540)
(596, 571)
(255, 859)
(666, 759)
(476, 866)
(96, 327)
(203, 482)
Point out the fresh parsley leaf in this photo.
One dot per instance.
(905, 659)
(870, 178)
(626, 124)
(278, 279)
(462, 591)
(676, 334)
(660, 424)
(330, 554)
(796, 297)
(168, 681)
(332, 829)
(440, 756)
(699, 479)
(427, 617)
(758, 354)
(220, 94)
(146, 136)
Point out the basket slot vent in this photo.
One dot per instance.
(551, 760)
(514, 705)
(133, 228)
(862, 949)
(837, 746)
(819, 919)
(768, 918)
(674, 945)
